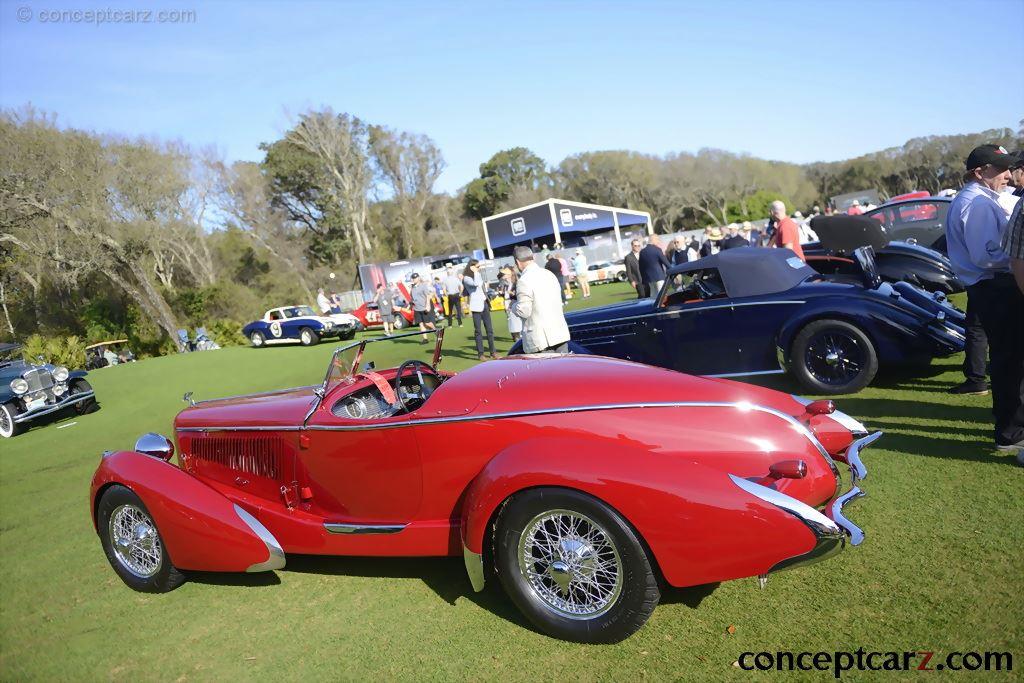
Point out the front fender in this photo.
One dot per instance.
(700, 527)
(77, 374)
(201, 529)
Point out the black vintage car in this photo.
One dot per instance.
(896, 260)
(918, 221)
(28, 391)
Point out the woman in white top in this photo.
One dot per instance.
(473, 283)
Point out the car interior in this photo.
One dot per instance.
(701, 285)
(412, 385)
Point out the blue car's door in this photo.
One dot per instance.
(695, 337)
(755, 336)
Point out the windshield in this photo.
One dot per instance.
(360, 356)
(298, 312)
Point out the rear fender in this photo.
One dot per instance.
(700, 527)
(201, 529)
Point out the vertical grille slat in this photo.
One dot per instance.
(259, 456)
(38, 380)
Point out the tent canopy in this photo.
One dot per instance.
(547, 221)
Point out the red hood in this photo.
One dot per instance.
(277, 408)
(541, 382)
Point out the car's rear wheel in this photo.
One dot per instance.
(257, 339)
(133, 544)
(621, 277)
(833, 357)
(401, 322)
(308, 337)
(85, 405)
(574, 566)
(8, 427)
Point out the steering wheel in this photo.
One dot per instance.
(425, 391)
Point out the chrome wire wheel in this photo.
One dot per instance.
(135, 541)
(834, 358)
(6, 422)
(571, 563)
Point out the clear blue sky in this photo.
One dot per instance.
(797, 81)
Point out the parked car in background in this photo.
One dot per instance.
(29, 391)
(583, 505)
(920, 220)
(369, 316)
(295, 324)
(759, 311)
(606, 271)
(896, 261)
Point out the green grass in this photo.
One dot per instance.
(942, 568)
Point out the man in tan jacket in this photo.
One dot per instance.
(539, 304)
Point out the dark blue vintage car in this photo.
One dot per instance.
(28, 392)
(756, 311)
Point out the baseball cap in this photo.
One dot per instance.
(414, 276)
(996, 155)
(1017, 159)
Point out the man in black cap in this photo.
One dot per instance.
(422, 294)
(975, 226)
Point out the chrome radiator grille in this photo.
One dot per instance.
(38, 380)
(260, 456)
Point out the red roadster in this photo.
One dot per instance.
(581, 506)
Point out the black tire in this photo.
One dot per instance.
(258, 339)
(8, 427)
(308, 337)
(345, 336)
(620, 277)
(86, 405)
(833, 357)
(120, 500)
(626, 607)
(400, 322)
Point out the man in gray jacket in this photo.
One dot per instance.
(539, 304)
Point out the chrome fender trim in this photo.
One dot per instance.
(829, 536)
(336, 528)
(276, 558)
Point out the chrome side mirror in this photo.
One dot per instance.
(156, 445)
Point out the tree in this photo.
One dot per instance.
(505, 172)
(409, 165)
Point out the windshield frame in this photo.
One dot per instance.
(321, 392)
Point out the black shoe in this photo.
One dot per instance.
(970, 389)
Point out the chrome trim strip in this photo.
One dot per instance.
(749, 374)
(474, 567)
(800, 427)
(684, 309)
(275, 559)
(336, 528)
(857, 469)
(54, 407)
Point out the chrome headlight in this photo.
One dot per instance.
(60, 374)
(59, 389)
(19, 386)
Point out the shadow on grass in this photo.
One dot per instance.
(256, 580)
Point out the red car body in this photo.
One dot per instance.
(690, 463)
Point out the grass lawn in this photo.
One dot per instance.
(942, 568)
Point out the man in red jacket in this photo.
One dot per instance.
(787, 232)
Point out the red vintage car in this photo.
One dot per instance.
(581, 506)
(369, 314)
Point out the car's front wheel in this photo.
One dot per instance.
(257, 339)
(400, 322)
(574, 566)
(833, 357)
(308, 337)
(84, 405)
(133, 544)
(8, 427)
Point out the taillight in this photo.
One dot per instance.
(788, 469)
(822, 407)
